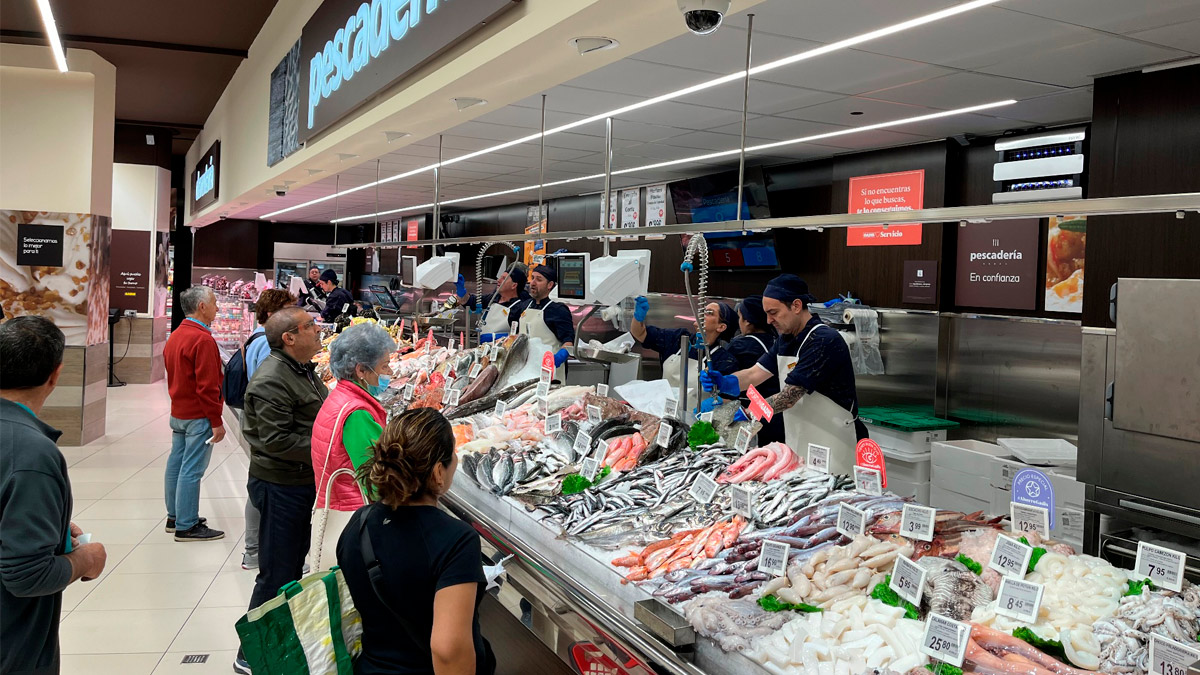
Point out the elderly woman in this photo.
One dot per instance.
(351, 419)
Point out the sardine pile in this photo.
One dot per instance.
(500, 471)
(1125, 637)
(777, 501)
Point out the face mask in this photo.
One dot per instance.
(377, 389)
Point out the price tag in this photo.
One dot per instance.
(543, 389)
(409, 390)
(602, 390)
(743, 440)
(1019, 599)
(583, 443)
(851, 521)
(1163, 566)
(1070, 523)
(774, 558)
(818, 458)
(591, 467)
(455, 395)
(547, 363)
(547, 375)
(1010, 557)
(593, 413)
(543, 407)
(908, 580)
(916, 522)
(758, 405)
(501, 408)
(664, 434)
(671, 409)
(512, 328)
(868, 481)
(475, 371)
(706, 417)
(1168, 657)
(554, 423)
(945, 639)
(741, 498)
(446, 395)
(1027, 518)
(703, 488)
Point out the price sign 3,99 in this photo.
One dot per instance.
(916, 522)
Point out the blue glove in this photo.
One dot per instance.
(726, 384)
(560, 357)
(460, 286)
(740, 415)
(709, 404)
(491, 337)
(641, 307)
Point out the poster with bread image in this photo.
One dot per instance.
(1066, 246)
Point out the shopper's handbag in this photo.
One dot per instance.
(310, 628)
(327, 523)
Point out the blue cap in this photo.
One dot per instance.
(548, 272)
(751, 309)
(788, 287)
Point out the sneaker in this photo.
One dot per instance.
(249, 561)
(305, 570)
(200, 532)
(171, 524)
(240, 665)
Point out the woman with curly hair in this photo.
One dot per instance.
(414, 571)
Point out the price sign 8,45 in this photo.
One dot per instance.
(1163, 566)
(1019, 599)
(945, 639)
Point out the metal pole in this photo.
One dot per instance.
(337, 189)
(608, 138)
(437, 193)
(542, 167)
(684, 348)
(745, 105)
(377, 201)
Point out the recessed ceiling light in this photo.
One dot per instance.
(60, 58)
(396, 135)
(587, 45)
(679, 93)
(856, 112)
(464, 102)
(343, 156)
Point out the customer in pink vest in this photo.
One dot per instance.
(351, 419)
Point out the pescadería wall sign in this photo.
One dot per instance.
(206, 178)
(352, 49)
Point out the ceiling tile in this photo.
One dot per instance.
(1075, 65)
(878, 138)
(765, 97)
(830, 21)
(874, 111)
(529, 118)
(777, 128)
(960, 90)
(707, 141)
(723, 51)
(1117, 16)
(565, 98)
(1070, 106)
(680, 116)
(1184, 35)
(851, 72)
(640, 78)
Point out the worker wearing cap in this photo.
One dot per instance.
(545, 319)
(339, 298)
(818, 399)
(500, 308)
(720, 325)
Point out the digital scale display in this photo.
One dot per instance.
(572, 281)
(408, 269)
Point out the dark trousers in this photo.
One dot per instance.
(283, 534)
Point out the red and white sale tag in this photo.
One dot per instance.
(548, 361)
(759, 406)
(868, 454)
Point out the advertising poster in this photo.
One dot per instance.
(535, 250)
(162, 272)
(129, 280)
(630, 218)
(885, 193)
(998, 264)
(920, 282)
(1066, 246)
(413, 231)
(656, 208)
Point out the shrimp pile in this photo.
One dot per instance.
(762, 464)
(624, 452)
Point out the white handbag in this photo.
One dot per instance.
(327, 524)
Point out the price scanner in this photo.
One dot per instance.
(408, 269)
(436, 271)
(604, 281)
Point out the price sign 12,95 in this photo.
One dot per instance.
(851, 521)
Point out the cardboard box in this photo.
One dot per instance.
(942, 498)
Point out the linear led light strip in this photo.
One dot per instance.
(725, 79)
(60, 59)
(696, 158)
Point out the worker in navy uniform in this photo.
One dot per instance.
(720, 324)
(338, 300)
(501, 308)
(818, 399)
(755, 339)
(547, 320)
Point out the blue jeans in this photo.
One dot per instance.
(185, 467)
(283, 534)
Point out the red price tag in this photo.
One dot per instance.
(868, 454)
(462, 340)
(758, 405)
(548, 361)
(431, 335)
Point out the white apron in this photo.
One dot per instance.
(533, 325)
(671, 375)
(817, 419)
(495, 319)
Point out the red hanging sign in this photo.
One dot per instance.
(759, 406)
(886, 193)
(548, 361)
(869, 455)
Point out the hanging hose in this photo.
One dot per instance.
(479, 265)
(697, 244)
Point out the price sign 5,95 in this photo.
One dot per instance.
(908, 580)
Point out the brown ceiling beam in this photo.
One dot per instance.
(123, 42)
(163, 125)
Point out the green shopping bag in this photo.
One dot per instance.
(310, 628)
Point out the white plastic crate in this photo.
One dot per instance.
(949, 500)
(912, 443)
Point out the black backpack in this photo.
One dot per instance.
(236, 378)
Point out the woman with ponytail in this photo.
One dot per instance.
(414, 571)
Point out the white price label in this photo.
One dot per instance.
(475, 370)
(1019, 599)
(671, 409)
(554, 423)
(512, 328)
(602, 390)
(1010, 557)
(1163, 566)
(1029, 518)
(446, 395)
(774, 558)
(583, 443)
(409, 391)
(454, 396)
(868, 481)
(818, 458)
(1168, 657)
(664, 434)
(916, 522)
(501, 408)
(543, 390)
(591, 467)
(743, 440)
(851, 521)
(908, 580)
(706, 417)
(593, 413)
(547, 375)
(741, 499)
(703, 488)
(1070, 524)
(945, 639)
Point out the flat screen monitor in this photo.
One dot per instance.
(710, 199)
(572, 277)
(385, 297)
(734, 251)
(494, 266)
(408, 269)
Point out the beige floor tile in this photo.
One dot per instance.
(223, 489)
(82, 490)
(76, 592)
(109, 664)
(109, 460)
(139, 489)
(78, 506)
(157, 431)
(209, 628)
(106, 475)
(114, 553)
(148, 591)
(119, 531)
(227, 507)
(150, 474)
(230, 589)
(174, 556)
(218, 662)
(77, 455)
(126, 509)
(127, 631)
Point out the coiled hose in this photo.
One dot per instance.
(696, 244)
(479, 265)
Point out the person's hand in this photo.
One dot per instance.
(709, 404)
(218, 434)
(560, 357)
(491, 337)
(726, 384)
(641, 307)
(88, 561)
(76, 532)
(460, 286)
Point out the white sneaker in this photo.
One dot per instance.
(249, 561)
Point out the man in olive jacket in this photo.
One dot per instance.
(282, 400)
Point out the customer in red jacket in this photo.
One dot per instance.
(194, 372)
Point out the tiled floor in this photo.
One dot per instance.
(158, 600)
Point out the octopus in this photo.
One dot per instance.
(1125, 637)
(733, 624)
(951, 589)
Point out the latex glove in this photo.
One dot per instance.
(491, 337)
(460, 286)
(740, 415)
(641, 307)
(560, 357)
(709, 404)
(492, 573)
(726, 384)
